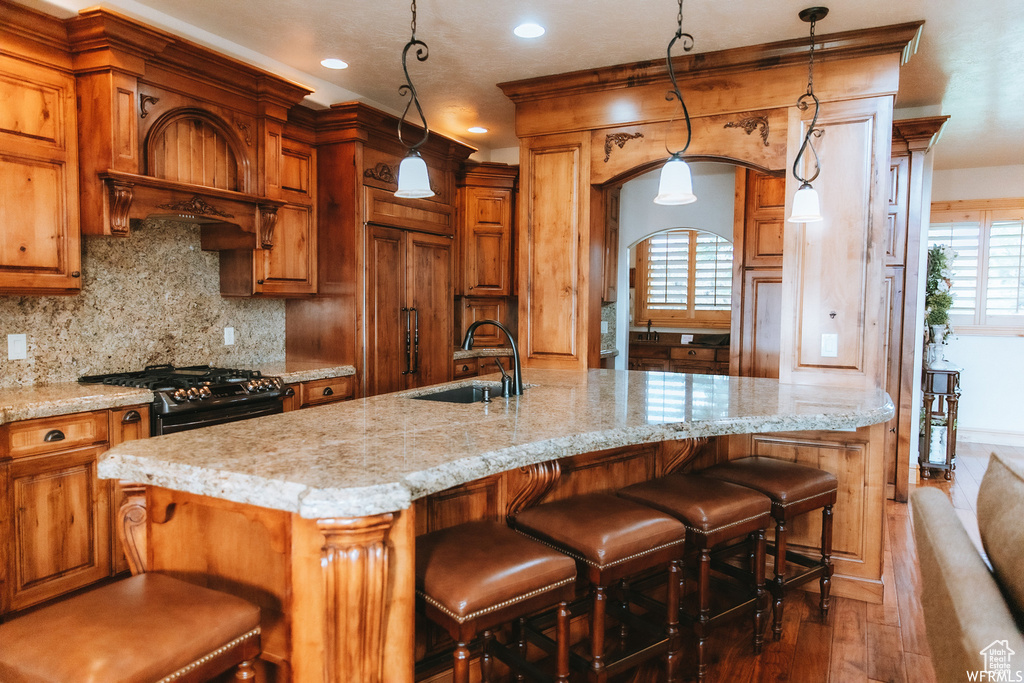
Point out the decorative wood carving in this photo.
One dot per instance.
(750, 124)
(131, 526)
(681, 454)
(541, 478)
(121, 196)
(619, 139)
(244, 127)
(355, 558)
(144, 102)
(197, 206)
(381, 172)
(267, 222)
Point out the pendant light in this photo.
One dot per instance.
(806, 207)
(676, 185)
(413, 181)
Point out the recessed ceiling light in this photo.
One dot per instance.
(477, 129)
(332, 63)
(529, 30)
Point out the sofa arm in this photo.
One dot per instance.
(964, 610)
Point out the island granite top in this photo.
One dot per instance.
(378, 454)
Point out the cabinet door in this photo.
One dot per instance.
(387, 363)
(487, 242)
(61, 525)
(289, 267)
(40, 248)
(429, 260)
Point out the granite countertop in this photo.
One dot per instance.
(378, 454)
(48, 400)
(461, 354)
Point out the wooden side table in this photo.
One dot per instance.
(938, 444)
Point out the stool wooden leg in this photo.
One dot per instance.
(780, 576)
(245, 671)
(703, 602)
(486, 660)
(672, 623)
(826, 558)
(597, 627)
(624, 605)
(460, 670)
(521, 644)
(562, 638)
(757, 566)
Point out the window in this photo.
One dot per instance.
(988, 273)
(684, 279)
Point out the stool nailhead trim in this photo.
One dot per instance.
(492, 608)
(726, 526)
(794, 502)
(204, 659)
(580, 558)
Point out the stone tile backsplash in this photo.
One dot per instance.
(153, 297)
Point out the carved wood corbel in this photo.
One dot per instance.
(541, 478)
(267, 223)
(121, 195)
(131, 526)
(675, 454)
(355, 558)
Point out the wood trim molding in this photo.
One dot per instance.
(917, 135)
(131, 526)
(355, 558)
(541, 479)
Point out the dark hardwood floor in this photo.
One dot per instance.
(857, 642)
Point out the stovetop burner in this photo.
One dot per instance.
(167, 377)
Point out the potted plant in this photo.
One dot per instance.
(938, 299)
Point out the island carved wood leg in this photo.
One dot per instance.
(131, 526)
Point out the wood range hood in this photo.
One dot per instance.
(170, 129)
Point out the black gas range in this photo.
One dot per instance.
(200, 395)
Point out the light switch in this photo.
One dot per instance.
(17, 347)
(229, 336)
(829, 345)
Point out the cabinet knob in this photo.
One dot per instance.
(131, 417)
(53, 435)
(259, 282)
(328, 391)
(75, 273)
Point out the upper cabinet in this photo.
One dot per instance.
(486, 197)
(40, 250)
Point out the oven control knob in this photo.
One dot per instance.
(193, 393)
(204, 392)
(251, 385)
(265, 384)
(180, 395)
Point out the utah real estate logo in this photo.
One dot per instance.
(998, 665)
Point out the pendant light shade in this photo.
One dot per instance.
(413, 182)
(676, 186)
(806, 208)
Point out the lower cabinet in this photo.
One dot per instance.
(56, 516)
(320, 391)
(704, 360)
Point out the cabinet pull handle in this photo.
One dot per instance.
(692, 352)
(131, 417)
(328, 391)
(289, 391)
(465, 368)
(53, 435)
(408, 342)
(416, 343)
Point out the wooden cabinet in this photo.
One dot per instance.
(482, 365)
(486, 197)
(408, 316)
(40, 250)
(666, 357)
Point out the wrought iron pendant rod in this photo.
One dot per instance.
(408, 89)
(812, 15)
(674, 93)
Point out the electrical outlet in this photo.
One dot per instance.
(17, 347)
(604, 327)
(229, 336)
(829, 345)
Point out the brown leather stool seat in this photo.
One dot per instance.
(478, 575)
(713, 512)
(142, 629)
(612, 538)
(795, 490)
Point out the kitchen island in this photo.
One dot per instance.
(313, 514)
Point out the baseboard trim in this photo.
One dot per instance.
(996, 437)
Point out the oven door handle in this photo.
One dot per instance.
(416, 342)
(408, 341)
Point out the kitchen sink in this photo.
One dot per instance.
(467, 394)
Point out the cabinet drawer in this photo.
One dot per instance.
(690, 353)
(60, 433)
(645, 351)
(487, 366)
(326, 391)
(466, 367)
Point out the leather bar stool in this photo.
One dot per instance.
(479, 575)
(795, 490)
(612, 538)
(142, 629)
(714, 512)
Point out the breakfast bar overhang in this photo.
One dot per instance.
(313, 514)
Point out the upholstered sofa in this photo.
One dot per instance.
(974, 615)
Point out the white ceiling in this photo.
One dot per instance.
(969, 65)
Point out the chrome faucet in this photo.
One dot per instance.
(517, 369)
